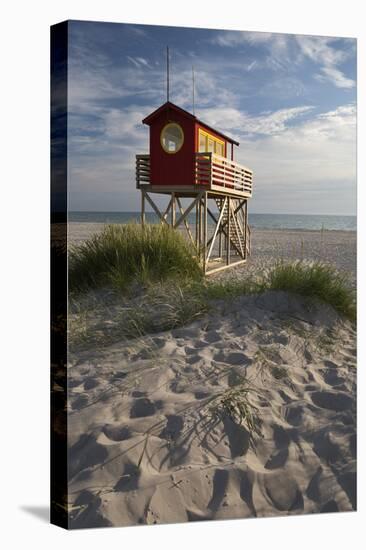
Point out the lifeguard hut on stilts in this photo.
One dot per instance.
(190, 160)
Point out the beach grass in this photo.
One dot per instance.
(235, 403)
(316, 281)
(171, 291)
(122, 255)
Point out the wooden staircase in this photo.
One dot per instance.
(239, 232)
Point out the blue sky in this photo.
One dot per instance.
(289, 100)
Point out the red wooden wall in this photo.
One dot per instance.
(172, 169)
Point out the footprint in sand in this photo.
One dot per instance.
(281, 338)
(348, 482)
(277, 459)
(90, 515)
(173, 427)
(80, 402)
(332, 379)
(138, 393)
(246, 489)
(294, 415)
(142, 407)
(233, 358)
(117, 433)
(91, 383)
(86, 452)
(74, 382)
(118, 376)
(283, 492)
(326, 447)
(212, 336)
(334, 401)
(220, 485)
(129, 480)
(238, 436)
(201, 394)
(192, 359)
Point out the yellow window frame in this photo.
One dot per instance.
(207, 136)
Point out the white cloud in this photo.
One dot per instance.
(234, 38)
(336, 76)
(239, 123)
(138, 61)
(282, 54)
(251, 65)
(320, 51)
(316, 158)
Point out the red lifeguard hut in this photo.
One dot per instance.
(191, 160)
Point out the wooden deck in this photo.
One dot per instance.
(213, 173)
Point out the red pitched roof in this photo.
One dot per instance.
(169, 105)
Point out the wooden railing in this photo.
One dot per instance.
(142, 170)
(211, 171)
(214, 170)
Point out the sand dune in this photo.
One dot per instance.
(152, 442)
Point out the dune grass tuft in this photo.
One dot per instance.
(235, 404)
(316, 281)
(124, 254)
(161, 259)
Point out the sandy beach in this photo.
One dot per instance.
(156, 434)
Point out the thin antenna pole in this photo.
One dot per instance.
(167, 73)
(193, 87)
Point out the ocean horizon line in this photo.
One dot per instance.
(252, 213)
(310, 222)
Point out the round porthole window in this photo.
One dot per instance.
(172, 138)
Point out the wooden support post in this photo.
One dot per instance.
(199, 229)
(228, 231)
(142, 207)
(220, 232)
(204, 244)
(245, 228)
(197, 242)
(201, 226)
(173, 210)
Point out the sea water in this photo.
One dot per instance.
(259, 221)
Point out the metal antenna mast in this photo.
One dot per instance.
(167, 73)
(193, 87)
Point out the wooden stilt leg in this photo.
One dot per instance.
(220, 232)
(204, 231)
(228, 231)
(245, 228)
(173, 210)
(142, 207)
(196, 236)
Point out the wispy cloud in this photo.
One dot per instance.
(139, 61)
(322, 50)
(313, 160)
(285, 52)
(241, 124)
(336, 77)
